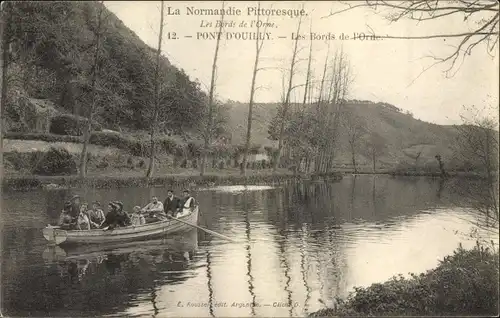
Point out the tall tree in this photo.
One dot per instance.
(209, 128)
(286, 102)
(481, 23)
(477, 145)
(374, 147)
(3, 78)
(98, 33)
(354, 130)
(253, 88)
(156, 98)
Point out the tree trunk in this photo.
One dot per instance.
(287, 100)
(95, 74)
(156, 93)
(5, 63)
(208, 132)
(373, 161)
(354, 159)
(258, 47)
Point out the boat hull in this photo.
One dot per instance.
(57, 236)
(188, 241)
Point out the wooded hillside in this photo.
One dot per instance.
(403, 136)
(51, 47)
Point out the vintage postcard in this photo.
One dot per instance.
(249, 159)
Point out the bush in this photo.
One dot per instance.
(57, 161)
(141, 164)
(66, 125)
(184, 163)
(23, 161)
(465, 283)
(167, 145)
(175, 161)
(109, 139)
(130, 162)
(42, 137)
(103, 164)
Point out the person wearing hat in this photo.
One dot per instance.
(75, 206)
(110, 218)
(123, 217)
(96, 215)
(116, 216)
(171, 204)
(66, 221)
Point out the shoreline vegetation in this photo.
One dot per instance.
(192, 178)
(50, 161)
(463, 282)
(27, 182)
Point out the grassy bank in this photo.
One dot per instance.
(465, 283)
(188, 179)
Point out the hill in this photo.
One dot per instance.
(404, 136)
(51, 56)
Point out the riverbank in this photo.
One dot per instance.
(187, 179)
(464, 283)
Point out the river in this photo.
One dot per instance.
(297, 247)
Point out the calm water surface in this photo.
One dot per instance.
(297, 247)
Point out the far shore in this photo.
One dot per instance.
(192, 178)
(118, 180)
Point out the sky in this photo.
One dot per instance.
(385, 70)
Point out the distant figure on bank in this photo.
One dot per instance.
(83, 222)
(187, 204)
(171, 204)
(137, 218)
(96, 215)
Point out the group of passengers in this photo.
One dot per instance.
(77, 215)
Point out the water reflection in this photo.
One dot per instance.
(298, 247)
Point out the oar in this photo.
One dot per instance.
(203, 229)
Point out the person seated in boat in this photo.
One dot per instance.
(83, 222)
(123, 217)
(171, 204)
(137, 218)
(154, 210)
(75, 206)
(109, 220)
(187, 204)
(96, 215)
(153, 207)
(66, 221)
(116, 217)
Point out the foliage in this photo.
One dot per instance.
(33, 182)
(57, 161)
(42, 137)
(464, 283)
(23, 161)
(477, 144)
(52, 53)
(67, 124)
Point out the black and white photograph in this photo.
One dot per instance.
(249, 158)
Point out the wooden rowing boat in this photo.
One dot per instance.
(185, 241)
(57, 236)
